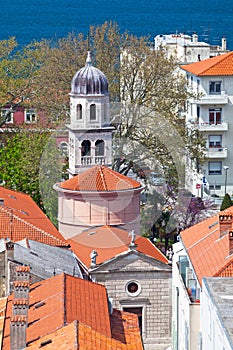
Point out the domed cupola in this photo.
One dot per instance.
(89, 80)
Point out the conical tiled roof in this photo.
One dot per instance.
(219, 65)
(89, 80)
(100, 178)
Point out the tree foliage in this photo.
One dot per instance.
(20, 162)
(31, 163)
(227, 202)
(151, 92)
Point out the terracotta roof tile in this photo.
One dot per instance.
(219, 65)
(100, 178)
(60, 300)
(110, 241)
(207, 249)
(20, 217)
(77, 335)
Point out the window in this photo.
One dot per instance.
(215, 88)
(105, 112)
(79, 112)
(198, 86)
(215, 168)
(215, 116)
(133, 288)
(63, 148)
(215, 187)
(138, 312)
(85, 148)
(215, 141)
(99, 148)
(7, 115)
(30, 116)
(92, 112)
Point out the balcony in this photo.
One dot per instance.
(212, 127)
(216, 152)
(220, 99)
(88, 160)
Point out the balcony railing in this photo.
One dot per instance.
(212, 127)
(213, 99)
(216, 152)
(88, 160)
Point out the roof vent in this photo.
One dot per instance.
(2, 202)
(46, 342)
(91, 233)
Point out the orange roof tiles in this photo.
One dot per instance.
(110, 241)
(77, 335)
(20, 217)
(219, 65)
(100, 178)
(63, 299)
(207, 249)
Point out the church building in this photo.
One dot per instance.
(99, 215)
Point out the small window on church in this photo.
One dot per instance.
(93, 112)
(133, 288)
(99, 148)
(79, 112)
(86, 148)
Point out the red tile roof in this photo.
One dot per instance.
(100, 178)
(64, 299)
(219, 65)
(110, 241)
(207, 249)
(20, 217)
(78, 336)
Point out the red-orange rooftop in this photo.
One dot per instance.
(20, 217)
(219, 65)
(100, 178)
(207, 249)
(110, 241)
(66, 312)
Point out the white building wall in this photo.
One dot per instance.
(213, 336)
(224, 156)
(185, 315)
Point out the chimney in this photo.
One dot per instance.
(18, 332)
(195, 38)
(20, 305)
(225, 223)
(230, 242)
(2, 202)
(224, 44)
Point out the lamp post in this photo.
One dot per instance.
(225, 167)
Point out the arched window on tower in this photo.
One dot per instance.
(92, 111)
(99, 148)
(79, 114)
(86, 148)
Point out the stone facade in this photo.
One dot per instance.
(152, 300)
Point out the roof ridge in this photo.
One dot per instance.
(223, 268)
(221, 60)
(103, 177)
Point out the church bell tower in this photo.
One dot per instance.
(90, 133)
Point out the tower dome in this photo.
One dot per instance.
(89, 80)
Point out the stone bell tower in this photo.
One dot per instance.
(90, 133)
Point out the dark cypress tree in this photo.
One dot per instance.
(227, 202)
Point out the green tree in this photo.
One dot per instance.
(227, 202)
(20, 162)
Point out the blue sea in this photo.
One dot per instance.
(30, 20)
